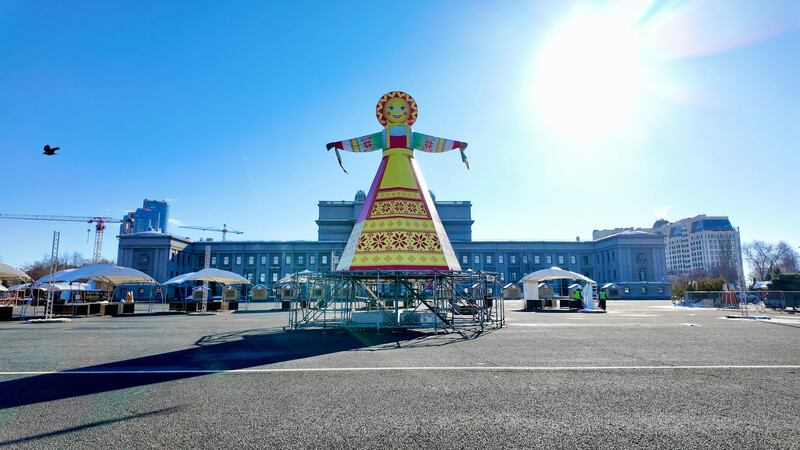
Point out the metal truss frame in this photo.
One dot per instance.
(441, 300)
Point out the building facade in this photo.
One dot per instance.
(635, 260)
(696, 246)
(703, 244)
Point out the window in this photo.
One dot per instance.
(312, 259)
(627, 290)
(525, 259)
(477, 259)
(141, 291)
(274, 277)
(274, 260)
(288, 259)
(644, 289)
(499, 259)
(549, 259)
(560, 259)
(262, 278)
(324, 259)
(514, 276)
(263, 261)
(238, 260)
(335, 259)
(642, 274)
(213, 260)
(585, 260)
(488, 259)
(251, 260)
(572, 259)
(536, 259)
(661, 289)
(250, 277)
(300, 259)
(513, 259)
(464, 259)
(225, 260)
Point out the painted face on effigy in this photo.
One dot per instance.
(396, 110)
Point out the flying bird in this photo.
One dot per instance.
(50, 151)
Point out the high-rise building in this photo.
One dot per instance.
(709, 245)
(701, 245)
(152, 216)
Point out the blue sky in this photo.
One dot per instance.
(224, 109)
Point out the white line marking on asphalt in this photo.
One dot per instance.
(422, 368)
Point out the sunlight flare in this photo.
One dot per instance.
(588, 78)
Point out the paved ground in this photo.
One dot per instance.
(644, 375)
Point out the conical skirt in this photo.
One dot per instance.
(398, 227)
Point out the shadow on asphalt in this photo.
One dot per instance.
(770, 322)
(89, 425)
(221, 352)
(548, 311)
(258, 311)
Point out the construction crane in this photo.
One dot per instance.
(99, 227)
(223, 229)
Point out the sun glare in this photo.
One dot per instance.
(588, 78)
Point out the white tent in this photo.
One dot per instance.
(216, 276)
(63, 289)
(588, 296)
(300, 277)
(59, 276)
(110, 274)
(3, 288)
(530, 282)
(11, 273)
(180, 279)
(64, 286)
(762, 285)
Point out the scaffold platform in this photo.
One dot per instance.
(441, 300)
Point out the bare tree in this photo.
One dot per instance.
(790, 261)
(77, 260)
(764, 257)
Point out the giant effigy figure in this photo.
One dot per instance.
(398, 227)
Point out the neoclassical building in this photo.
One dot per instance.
(634, 260)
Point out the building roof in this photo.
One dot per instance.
(629, 233)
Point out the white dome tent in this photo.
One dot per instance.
(530, 284)
(210, 275)
(8, 272)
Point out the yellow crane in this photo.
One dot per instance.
(223, 229)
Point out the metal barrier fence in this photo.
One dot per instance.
(783, 300)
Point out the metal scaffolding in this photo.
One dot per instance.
(446, 300)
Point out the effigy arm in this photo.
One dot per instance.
(432, 144)
(363, 144)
